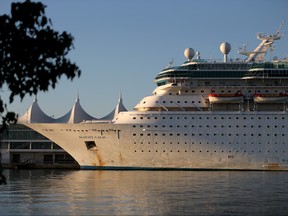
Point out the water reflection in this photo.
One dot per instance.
(59, 192)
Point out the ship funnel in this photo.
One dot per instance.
(225, 48)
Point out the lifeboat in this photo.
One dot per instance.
(270, 98)
(225, 98)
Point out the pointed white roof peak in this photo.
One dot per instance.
(35, 115)
(76, 114)
(119, 108)
(78, 98)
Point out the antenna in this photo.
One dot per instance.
(169, 64)
(280, 27)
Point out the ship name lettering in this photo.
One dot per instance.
(99, 137)
(85, 137)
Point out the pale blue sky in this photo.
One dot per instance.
(121, 45)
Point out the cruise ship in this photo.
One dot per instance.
(203, 115)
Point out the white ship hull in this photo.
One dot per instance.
(177, 140)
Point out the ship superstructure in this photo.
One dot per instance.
(203, 114)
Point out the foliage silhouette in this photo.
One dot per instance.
(33, 56)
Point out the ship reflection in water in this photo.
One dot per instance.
(59, 192)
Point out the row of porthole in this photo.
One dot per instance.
(215, 134)
(208, 126)
(229, 91)
(207, 143)
(216, 118)
(200, 151)
(215, 143)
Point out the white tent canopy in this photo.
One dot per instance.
(76, 114)
(35, 115)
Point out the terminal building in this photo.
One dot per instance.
(21, 145)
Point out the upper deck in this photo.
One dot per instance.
(218, 70)
(253, 67)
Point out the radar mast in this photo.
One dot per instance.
(258, 55)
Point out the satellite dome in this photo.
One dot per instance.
(189, 53)
(225, 48)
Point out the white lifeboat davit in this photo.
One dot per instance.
(225, 98)
(270, 98)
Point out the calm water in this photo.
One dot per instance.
(67, 192)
